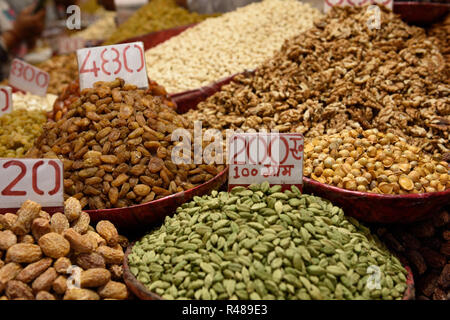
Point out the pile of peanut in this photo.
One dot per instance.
(40, 254)
(116, 145)
(341, 75)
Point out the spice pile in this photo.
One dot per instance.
(341, 75)
(220, 47)
(154, 16)
(426, 247)
(115, 144)
(260, 243)
(375, 162)
(18, 130)
(39, 253)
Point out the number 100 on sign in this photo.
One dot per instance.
(107, 63)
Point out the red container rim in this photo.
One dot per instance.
(376, 196)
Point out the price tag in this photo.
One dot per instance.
(26, 77)
(107, 63)
(70, 44)
(39, 180)
(258, 157)
(5, 100)
(328, 4)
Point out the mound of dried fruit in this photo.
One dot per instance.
(115, 143)
(260, 243)
(59, 257)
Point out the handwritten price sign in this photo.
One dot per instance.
(107, 63)
(26, 77)
(5, 100)
(328, 4)
(273, 157)
(40, 180)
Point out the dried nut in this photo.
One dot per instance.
(72, 209)
(25, 215)
(45, 295)
(18, 290)
(39, 227)
(8, 272)
(59, 223)
(44, 281)
(79, 243)
(111, 255)
(113, 290)
(116, 272)
(98, 239)
(54, 245)
(81, 294)
(406, 183)
(60, 285)
(62, 264)
(95, 277)
(90, 261)
(32, 271)
(81, 225)
(44, 215)
(123, 241)
(107, 230)
(7, 220)
(27, 238)
(24, 253)
(7, 239)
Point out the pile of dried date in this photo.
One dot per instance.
(116, 145)
(42, 256)
(426, 246)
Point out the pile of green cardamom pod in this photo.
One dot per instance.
(261, 243)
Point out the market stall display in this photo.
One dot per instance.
(154, 16)
(220, 47)
(341, 75)
(39, 254)
(115, 143)
(370, 161)
(102, 29)
(260, 243)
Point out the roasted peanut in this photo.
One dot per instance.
(54, 245)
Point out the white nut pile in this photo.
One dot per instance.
(101, 29)
(219, 47)
(30, 101)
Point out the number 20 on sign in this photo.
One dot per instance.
(40, 180)
(107, 63)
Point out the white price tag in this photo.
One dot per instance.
(258, 157)
(39, 180)
(70, 44)
(107, 63)
(6, 103)
(28, 78)
(328, 4)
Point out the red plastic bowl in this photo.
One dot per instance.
(141, 292)
(421, 13)
(141, 215)
(381, 208)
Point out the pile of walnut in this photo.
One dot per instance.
(116, 145)
(425, 246)
(341, 75)
(39, 256)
